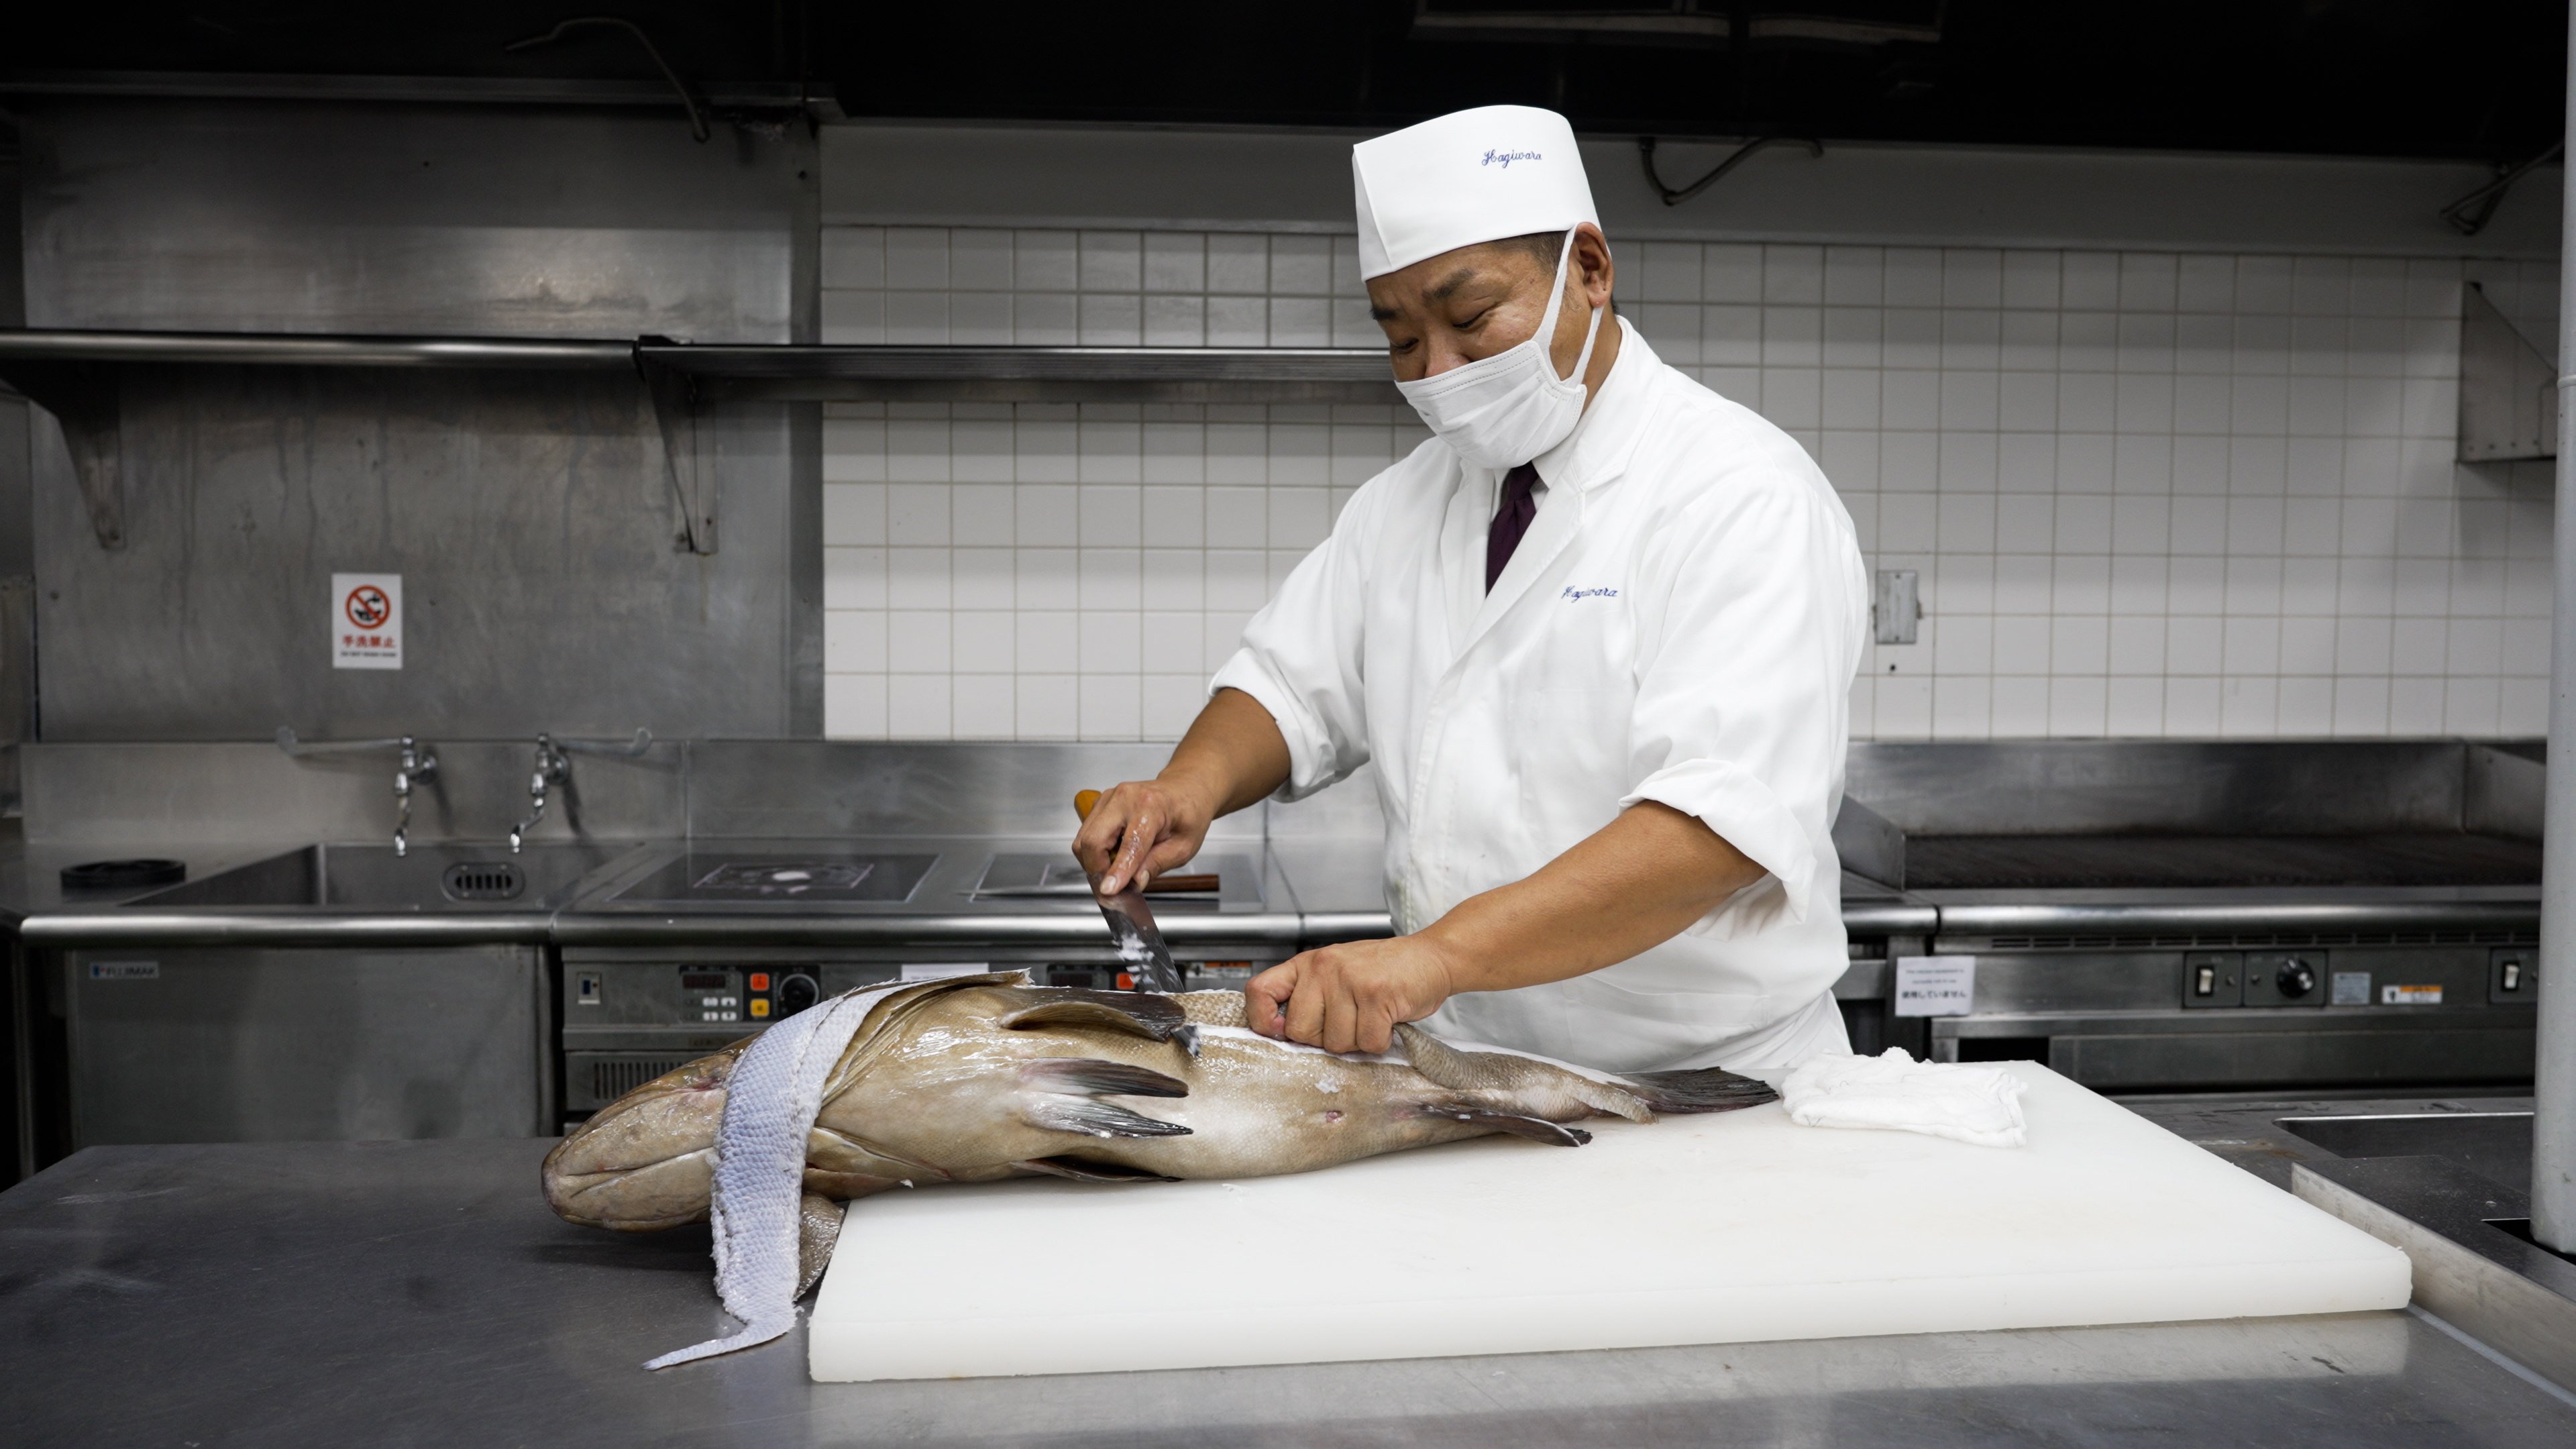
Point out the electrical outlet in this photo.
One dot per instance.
(1895, 606)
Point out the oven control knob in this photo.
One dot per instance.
(2297, 978)
(797, 992)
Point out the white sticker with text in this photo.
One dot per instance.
(1935, 985)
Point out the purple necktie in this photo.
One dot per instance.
(1512, 517)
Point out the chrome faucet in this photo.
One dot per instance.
(415, 764)
(554, 767)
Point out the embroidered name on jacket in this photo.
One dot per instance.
(1573, 594)
(1505, 159)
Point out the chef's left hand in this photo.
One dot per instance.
(1348, 998)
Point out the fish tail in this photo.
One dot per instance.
(1708, 1089)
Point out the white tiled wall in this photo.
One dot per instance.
(2147, 494)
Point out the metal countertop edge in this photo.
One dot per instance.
(1983, 919)
(224, 928)
(602, 929)
(175, 928)
(583, 928)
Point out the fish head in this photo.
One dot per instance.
(646, 1160)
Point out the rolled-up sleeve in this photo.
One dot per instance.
(1301, 659)
(1748, 640)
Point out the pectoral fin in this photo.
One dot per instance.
(1536, 1129)
(1088, 1077)
(1094, 1118)
(1082, 1170)
(818, 1227)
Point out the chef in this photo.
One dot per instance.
(1597, 635)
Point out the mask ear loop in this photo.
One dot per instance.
(1591, 334)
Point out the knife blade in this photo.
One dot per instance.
(1131, 923)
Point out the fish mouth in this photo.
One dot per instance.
(645, 1161)
(666, 1194)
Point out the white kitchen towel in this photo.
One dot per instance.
(1981, 1105)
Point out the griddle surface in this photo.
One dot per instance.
(1972, 862)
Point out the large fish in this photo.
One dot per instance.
(976, 1079)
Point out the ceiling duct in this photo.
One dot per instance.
(1701, 23)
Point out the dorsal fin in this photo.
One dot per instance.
(1148, 1014)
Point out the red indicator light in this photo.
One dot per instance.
(760, 981)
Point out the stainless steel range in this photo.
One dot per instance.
(697, 946)
(2208, 917)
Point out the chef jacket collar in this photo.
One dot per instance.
(1606, 436)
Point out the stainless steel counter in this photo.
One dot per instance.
(1314, 891)
(420, 1293)
(591, 915)
(1323, 856)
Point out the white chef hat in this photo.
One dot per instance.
(1463, 178)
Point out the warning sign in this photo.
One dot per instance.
(366, 621)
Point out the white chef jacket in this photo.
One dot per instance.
(1681, 624)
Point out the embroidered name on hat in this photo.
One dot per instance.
(1505, 159)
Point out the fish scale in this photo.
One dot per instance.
(771, 1100)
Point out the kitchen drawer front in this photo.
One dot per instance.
(307, 1044)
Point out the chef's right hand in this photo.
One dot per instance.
(1139, 830)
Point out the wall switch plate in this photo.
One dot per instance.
(2286, 978)
(2513, 975)
(1895, 606)
(2213, 978)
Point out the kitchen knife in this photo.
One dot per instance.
(1131, 923)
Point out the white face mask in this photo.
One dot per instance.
(1504, 410)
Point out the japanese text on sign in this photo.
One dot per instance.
(1935, 985)
(366, 621)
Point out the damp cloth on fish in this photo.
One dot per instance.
(1978, 1105)
(772, 1099)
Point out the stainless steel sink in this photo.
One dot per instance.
(373, 878)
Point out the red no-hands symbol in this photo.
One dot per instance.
(367, 606)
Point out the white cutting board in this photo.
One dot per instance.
(1732, 1228)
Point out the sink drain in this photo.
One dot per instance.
(497, 880)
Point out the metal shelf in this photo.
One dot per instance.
(71, 373)
(22, 347)
(1031, 374)
(771, 371)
